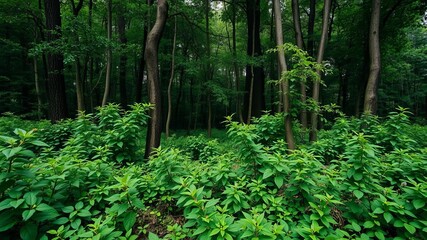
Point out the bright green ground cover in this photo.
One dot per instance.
(86, 179)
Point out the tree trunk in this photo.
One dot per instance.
(121, 27)
(235, 66)
(140, 78)
(55, 64)
(254, 102)
(208, 65)
(151, 54)
(370, 104)
(300, 44)
(311, 18)
(170, 82)
(283, 69)
(109, 55)
(320, 53)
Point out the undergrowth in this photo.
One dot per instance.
(85, 179)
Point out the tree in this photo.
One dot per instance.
(300, 43)
(55, 64)
(370, 103)
(151, 54)
(109, 54)
(121, 29)
(168, 120)
(320, 53)
(284, 83)
(254, 102)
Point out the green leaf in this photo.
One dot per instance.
(60, 221)
(5, 204)
(358, 194)
(27, 214)
(39, 143)
(28, 231)
(379, 235)
(278, 180)
(79, 205)
(68, 209)
(7, 220)
(27, 153)
(214, 232)
(388, 217)
(418, 203)
(84, 213)
(30, 198)
(378, 211)
(129, 220)
(11, 152)
(43, 207)
(358, 176)
(199, 230)
(368, 224)
(211, 203)
(411, 229)
(152, 236)
(267, 173)
(356, 226)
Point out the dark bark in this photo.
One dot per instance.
(300, 44)
(55, 64)
(254, 102)
(320, 53)
(283, 69)
(311, 18)
(121, 27)
(109, 55)
(370, 103)
(141, 68)
(151, 55)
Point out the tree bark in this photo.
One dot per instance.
(208, 73)
(55, 64)
(320, 53)
(311, 18)
(168, 120)
(235, 66)
(283, 69)
(121, 27)
(151, 55)
(140, 78)
(109, 54)
(254, 102)
(300, 44)
(370, 103)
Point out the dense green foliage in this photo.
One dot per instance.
(365, 178)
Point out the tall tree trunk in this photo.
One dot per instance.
(109, 54)
(235, 66)
(283, 69)
(78, 78)
(140, 78)
(300, 44)
(121, 27)
(208, 65)
(36, 82)
(90, 60)
(79, 87)
(151, 54)
(370, 104)
(254, 102)
(320, 53)
(168, 119)
(310, 32)
(55, 80)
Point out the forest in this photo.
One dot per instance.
(213, 119)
